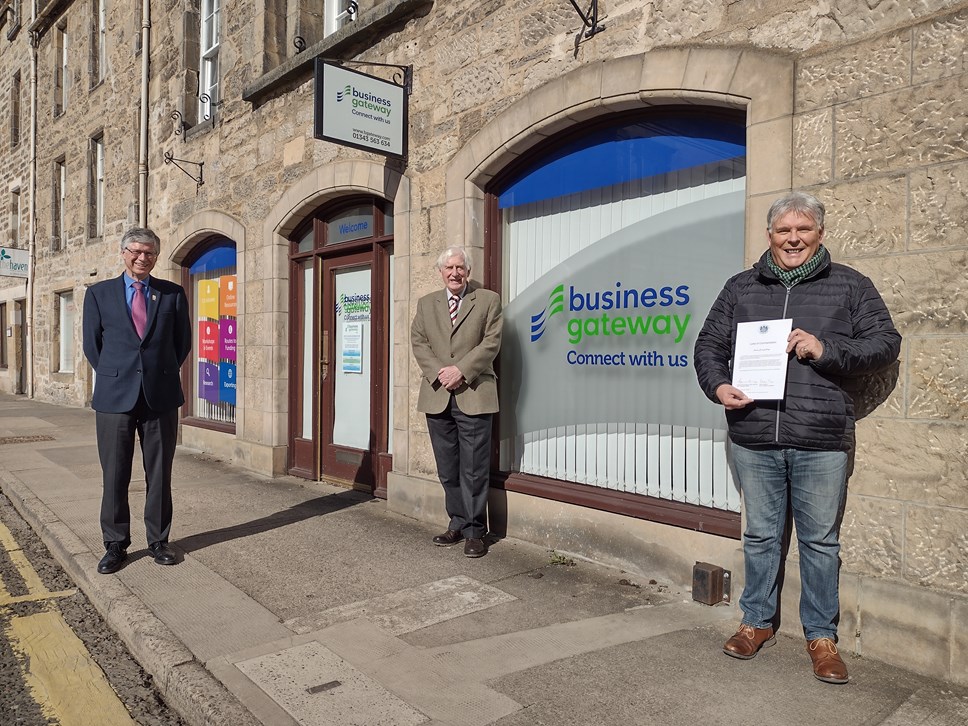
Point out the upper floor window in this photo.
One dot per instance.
(337, 14)
(98, 42)
(61, 70)
(15, 217)
(208, 78)
(58, 203)
(15, 94)
(95, 204)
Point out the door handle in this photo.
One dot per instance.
(324, 356)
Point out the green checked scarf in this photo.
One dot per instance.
(798, 274)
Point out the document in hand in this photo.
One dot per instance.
(760, 358)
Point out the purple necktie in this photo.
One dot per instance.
(139, 312)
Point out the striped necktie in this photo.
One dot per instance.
(454, 302)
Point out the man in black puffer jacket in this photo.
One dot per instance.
(795, 449)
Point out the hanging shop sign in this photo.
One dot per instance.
(14, 262)
(359, 110)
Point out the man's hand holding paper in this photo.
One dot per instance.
(761, 356)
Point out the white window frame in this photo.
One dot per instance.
(65, 322)
(62, 70)
(16, 90)
(16, 212)
(208, 72)
(96, 209)
(59, 193)
(98, 42)
(337, 13)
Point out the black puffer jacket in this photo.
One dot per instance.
(838, 305)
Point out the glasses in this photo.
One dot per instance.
(141, 253)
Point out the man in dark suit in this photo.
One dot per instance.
(456, 335)
(137, 334)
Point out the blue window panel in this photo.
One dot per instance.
(625, 153)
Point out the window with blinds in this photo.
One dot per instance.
(614, 245)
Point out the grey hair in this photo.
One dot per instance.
(143, 235)
(454, 252)
(799, 202)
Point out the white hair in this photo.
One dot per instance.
(454, 252)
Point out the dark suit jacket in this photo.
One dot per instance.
(471, 344)
(124, 363)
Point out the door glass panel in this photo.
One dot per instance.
(351, 366)
(353, 223)
(305, 243)
(306, 352)
(390, 317)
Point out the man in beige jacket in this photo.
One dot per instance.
(456, 335)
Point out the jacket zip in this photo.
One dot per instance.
(776, 432)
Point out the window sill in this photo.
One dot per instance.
(363, 32)
(204, 423)
(201, 128)
(662, 511)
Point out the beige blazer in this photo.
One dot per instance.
(471, 344)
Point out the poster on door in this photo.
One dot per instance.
(352, 354)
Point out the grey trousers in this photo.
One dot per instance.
(158, 433)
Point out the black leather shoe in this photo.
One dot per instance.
(448, 538)
(161, 553)
(112, 560)
(474, 547)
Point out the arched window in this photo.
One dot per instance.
(612, 243)
(213, 292)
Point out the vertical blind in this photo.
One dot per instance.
(676, 463)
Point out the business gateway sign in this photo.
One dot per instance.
(361, 111)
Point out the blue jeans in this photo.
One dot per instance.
(814, 483)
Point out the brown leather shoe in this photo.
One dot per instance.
(474, 547)
(828, 666)
(747, 641)
(448, 538)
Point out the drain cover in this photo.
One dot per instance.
(25, 439)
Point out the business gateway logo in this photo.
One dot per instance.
(365, 104)
(556, 303)
(613, 312)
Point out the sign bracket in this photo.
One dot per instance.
(403, 77)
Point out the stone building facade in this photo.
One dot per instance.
(859, 103)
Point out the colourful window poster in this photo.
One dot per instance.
(208, 339)
(227, 295)
(226, 338)
(226, 383)
(208, 299)
(208, 383)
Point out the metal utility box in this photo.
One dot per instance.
(710, 583)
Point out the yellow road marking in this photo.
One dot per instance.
(6, 599)
(63, 679)
(16, 554)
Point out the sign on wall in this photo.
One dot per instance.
(358, 110)
(14, 262)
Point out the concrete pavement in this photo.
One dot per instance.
(300, 603)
